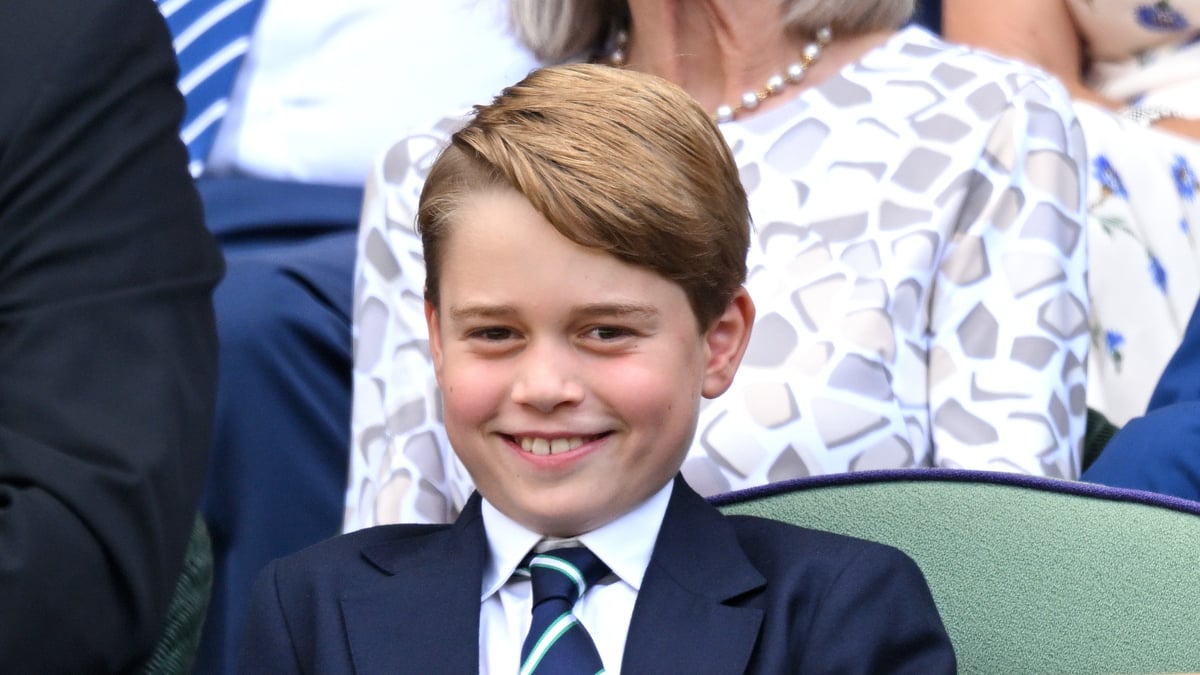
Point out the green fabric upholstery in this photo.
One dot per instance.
(176, 649)
(1030, 575)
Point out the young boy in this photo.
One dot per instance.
(585, 239)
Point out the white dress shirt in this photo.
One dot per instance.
(327, 86)
(625, 545)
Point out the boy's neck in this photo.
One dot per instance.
(625, 543)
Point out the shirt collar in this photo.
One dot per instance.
(625, 544)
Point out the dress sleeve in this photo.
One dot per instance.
(107, 339)
(1008, 314)
(401, 466)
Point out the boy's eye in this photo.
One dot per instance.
(608, 332)
(492, 334)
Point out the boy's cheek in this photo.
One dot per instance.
(469, 391)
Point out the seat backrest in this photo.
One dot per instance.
(1031, 575)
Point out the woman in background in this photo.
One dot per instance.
(917, 264)
(1133, 69)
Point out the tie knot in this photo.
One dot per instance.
(564, 573)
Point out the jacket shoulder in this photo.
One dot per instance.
(773, 544)
(350, 546)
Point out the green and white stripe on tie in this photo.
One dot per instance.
(557, 644)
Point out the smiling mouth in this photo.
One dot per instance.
(552, 446)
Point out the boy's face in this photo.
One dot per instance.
(570, 380)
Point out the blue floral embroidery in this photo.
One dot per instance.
(1109, 179)
(1183, 225)
(1113, 341)
(1158, 273)
(1185, 178)
(1161, 16)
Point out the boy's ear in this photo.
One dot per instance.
(726, 342)
(432, 320)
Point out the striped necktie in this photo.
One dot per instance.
(211, 37)
(557, 643)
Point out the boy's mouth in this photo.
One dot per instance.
(552, 446)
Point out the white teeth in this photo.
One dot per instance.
(541, 446)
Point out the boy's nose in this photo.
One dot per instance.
(547, 377)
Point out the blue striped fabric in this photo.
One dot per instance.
(211, 38)
(557, 644)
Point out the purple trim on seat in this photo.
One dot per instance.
(960, 476)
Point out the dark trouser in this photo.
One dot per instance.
(277, 470)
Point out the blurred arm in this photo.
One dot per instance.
(107, 342)
(1015, 267)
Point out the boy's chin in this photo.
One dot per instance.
(563, 522)
(567, 520)
(563, 526)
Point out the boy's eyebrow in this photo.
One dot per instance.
(481, 312)
(617, 310)
(599, 309)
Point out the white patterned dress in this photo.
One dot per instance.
(918, 267)
(1144, 260)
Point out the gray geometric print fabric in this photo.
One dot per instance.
(918, 265)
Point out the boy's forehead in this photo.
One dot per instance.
(502, 256)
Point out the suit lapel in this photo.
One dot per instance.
(682, 621)
(423, 614)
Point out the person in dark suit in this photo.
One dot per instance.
(107, 338)
(585, 237)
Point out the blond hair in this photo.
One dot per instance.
(559, 30)
(618, 161)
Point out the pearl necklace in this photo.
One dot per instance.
(750, 99)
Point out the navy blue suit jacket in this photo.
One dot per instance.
(721, 595)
